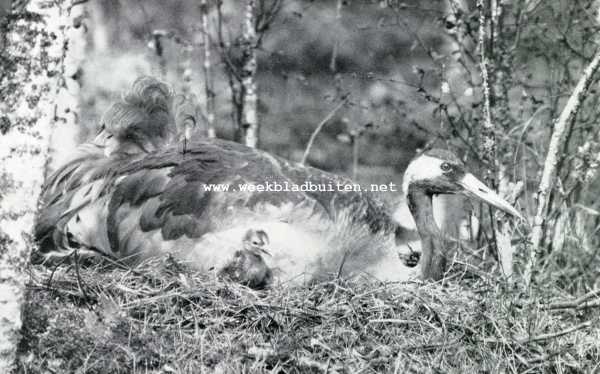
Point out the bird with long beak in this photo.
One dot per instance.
(168, 202)
(136, 192)
(441, 172)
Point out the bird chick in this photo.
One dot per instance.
(410, 259)
(256, 241)
(248, 266)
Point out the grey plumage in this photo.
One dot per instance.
(138, 193)
(167, 189)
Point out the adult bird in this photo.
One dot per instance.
(148, 117)
(441, 172)
(200, 204)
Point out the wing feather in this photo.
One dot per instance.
(163, 193)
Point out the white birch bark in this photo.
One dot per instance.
(250, 100)
(560, 129)
(66, 129)
(488, 138)
(99, 38)
(206, 67)
(35, 46)
(488, 144)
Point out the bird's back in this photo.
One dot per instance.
(166, 201)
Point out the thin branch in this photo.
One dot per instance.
(579, 303)
(560, 130)
(488, 143)
(249, 125)
(320, 127)
(542, 337)
(206, 68)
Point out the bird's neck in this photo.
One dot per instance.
(433, 243)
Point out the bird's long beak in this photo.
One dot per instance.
(473, 187)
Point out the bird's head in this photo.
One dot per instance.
(439, 171)
(141, 121)
(248, 266)
(256, 240)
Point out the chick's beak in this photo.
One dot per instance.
(473, 187)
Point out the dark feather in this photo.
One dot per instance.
(165, 190)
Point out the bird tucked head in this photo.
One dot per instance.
(147, 118)
(438, 171)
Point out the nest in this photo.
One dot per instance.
(163, 317)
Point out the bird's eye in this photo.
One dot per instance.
(446, 166)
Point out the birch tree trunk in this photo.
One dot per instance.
(560, 129)
(31, 81)
(250, 129)
(206, 67)
(495, 99)
(487, 144)
(64, 136)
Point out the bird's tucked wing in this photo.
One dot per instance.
(360, 205)
(173, 193)
(154, 199)
(69, 189)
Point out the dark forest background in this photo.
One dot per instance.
(311, 55)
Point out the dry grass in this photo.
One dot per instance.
(162, 317)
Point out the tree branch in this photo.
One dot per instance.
(557, 141)
(320, 127)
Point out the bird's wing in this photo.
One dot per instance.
(359, 205)
(82, 181)
(152, 201)
(172, 193)
(57, 199)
